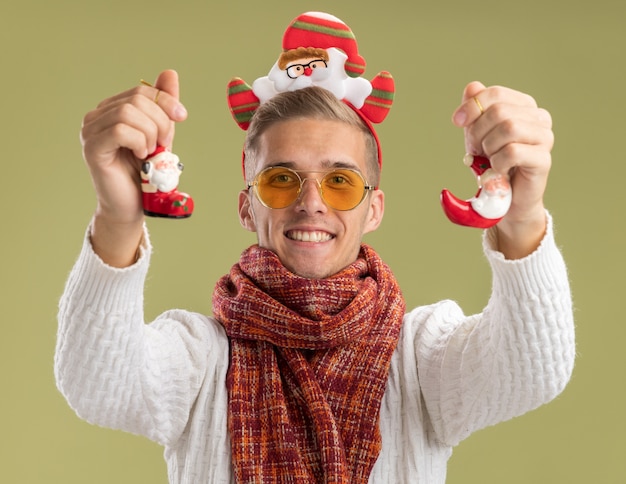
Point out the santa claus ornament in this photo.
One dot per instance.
(160, 173)
(488, 206)
(318, 49)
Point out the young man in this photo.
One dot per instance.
(427, 379)
(311, 370)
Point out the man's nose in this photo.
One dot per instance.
(310, 199)
(308, 71)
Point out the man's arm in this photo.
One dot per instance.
(519, 352)
(106, 357)
(514, 356)
(118, 372)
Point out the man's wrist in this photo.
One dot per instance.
(518, 239)
(117, 244)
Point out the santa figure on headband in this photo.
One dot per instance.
(318, 50)
(310, 66)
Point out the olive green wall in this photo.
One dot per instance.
(59, 58)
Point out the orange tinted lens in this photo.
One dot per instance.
(343, 189)
(277, 187)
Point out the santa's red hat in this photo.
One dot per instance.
(323, 31)
(159, 149)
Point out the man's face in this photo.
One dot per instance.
(310, 238)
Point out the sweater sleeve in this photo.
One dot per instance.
(516, 355)
(115, 370)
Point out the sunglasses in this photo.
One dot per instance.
(341, 189)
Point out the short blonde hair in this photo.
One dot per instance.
(310, 103)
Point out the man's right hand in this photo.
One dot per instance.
(116, 137)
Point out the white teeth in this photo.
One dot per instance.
(303, 236)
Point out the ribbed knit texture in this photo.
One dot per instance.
(450, 374)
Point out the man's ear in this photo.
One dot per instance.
(246, 215)
(375, 212)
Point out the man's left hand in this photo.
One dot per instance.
(516, 135)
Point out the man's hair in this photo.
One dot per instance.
(307, 103)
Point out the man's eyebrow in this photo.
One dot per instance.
(285, 164)
(326, 165)
(340, 164)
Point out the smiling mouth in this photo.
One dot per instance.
(306, 236)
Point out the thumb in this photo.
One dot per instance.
(168, 82)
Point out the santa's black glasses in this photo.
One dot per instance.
(296, 70)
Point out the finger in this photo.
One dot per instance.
(105, 144)
(464, 112)
(166, 99)
(509, 124)
(143, 97)
(134, 110)
(472, 90)
(518, 133)
(528, 177)
(169, 103)
(132, 98)
(477, 100)
(139, 113)
(520, 159)
(169, 83)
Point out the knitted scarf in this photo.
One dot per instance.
(308, 367)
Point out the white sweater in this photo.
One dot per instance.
(450, 375)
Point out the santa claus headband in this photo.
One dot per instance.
(318, 50)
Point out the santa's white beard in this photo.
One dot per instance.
(332, 77)
(283, 82)
(492, 205)
(165, 180)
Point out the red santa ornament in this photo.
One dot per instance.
(488, 206)
(160, 174)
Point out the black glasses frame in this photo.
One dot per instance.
(295, 75)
